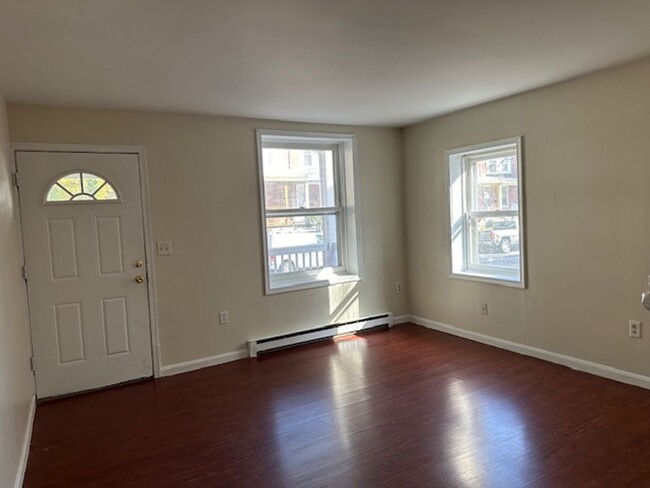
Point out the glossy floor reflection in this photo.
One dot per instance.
(402, 408)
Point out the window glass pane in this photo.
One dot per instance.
(71, 182)
(57, 194)
(493, 187)
(106, 192)
(82, 196)
(495, 242)
(302, 243)
(494, 184)
(91, 183)
(298, 178)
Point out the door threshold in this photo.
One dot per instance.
(41, 401)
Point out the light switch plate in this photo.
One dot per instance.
(164, 248)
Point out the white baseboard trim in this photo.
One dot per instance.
(401, 319)
(185, 367)
(173, 369)
(571, 362)
(27, 440)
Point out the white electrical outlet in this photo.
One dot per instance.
(164, 248)
(399, 287)
(223, 317)
(484, 308)
(635, 329)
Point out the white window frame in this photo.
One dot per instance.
(346, 208)
(458, 162)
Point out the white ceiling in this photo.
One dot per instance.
(379, 62)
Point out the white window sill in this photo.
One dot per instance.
(287, 284)
(503, 280)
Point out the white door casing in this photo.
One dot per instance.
(89, 317)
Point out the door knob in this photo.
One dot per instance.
(139, 279)
(138, 264)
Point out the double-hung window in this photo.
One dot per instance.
(486, 224)
(309, 215)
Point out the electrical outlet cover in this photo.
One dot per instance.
(223, 317)
(635, 329)
(164, 248)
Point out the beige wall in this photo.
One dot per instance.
(587, 183)
(16, 382)
(204, 198)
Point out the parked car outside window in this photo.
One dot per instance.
(499, 235)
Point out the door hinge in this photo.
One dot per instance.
(31, 364)
(25, 272)
(16, 180)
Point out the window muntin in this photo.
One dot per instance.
(81, 186)
(309, 223)
(485, 194)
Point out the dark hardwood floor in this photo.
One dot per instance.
(407, 407)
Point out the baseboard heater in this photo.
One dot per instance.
(270, 343)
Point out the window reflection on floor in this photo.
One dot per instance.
(482, 420)
(317, 422)
(347, 373)
(312, 422)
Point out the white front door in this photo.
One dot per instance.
(86, 275)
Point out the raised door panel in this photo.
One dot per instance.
(109, 245)
(116, 326)
(68, 326)
(61, 236)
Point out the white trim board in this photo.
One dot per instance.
(195, 364)
(27, 440)
(401, 319)
(569, 361)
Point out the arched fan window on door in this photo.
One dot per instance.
(81, 187)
